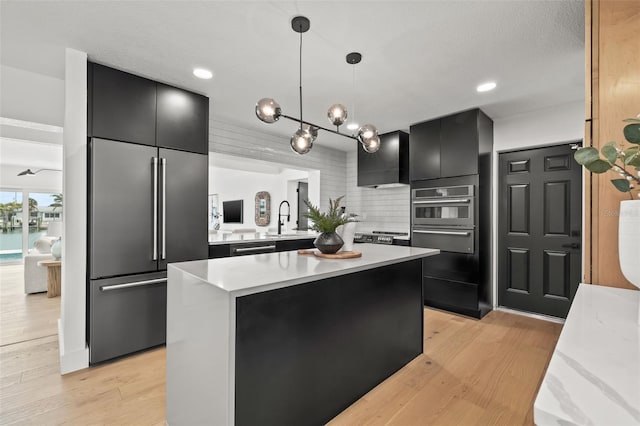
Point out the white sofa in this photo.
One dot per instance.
(35, 277)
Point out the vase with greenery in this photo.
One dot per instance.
(625, 161)
(328, 241)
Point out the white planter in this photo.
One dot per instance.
(347, 232)
(629, 242)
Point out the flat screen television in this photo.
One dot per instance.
(232, 211)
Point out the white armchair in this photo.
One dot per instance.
(35, 277)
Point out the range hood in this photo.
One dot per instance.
(389, 166)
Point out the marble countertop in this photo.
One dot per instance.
(222, 237)
(593, 377)
(243, 275)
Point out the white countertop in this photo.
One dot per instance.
(594, 374)
(222, 237)
(243, 275)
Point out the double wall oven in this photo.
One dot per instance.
(443, 217)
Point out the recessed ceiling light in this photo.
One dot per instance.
(486, 87)
(352, 126)
(202, 73)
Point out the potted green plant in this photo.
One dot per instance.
(626, 163)
(328, 241)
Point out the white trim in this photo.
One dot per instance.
(531, 315)
(73, 361)
(4, 121)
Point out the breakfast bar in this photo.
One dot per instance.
(287, 338)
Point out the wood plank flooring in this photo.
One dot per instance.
(472, 373)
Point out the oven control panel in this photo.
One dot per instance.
(373, 238)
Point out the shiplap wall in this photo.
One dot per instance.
(380, 209)
(232, 139)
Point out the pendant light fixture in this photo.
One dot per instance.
(269, 111)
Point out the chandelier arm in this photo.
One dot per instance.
(299, 120)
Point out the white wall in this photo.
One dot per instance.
(550, 126)
(71, 328)
(46, 181)
(380, 209)
(326, 166)
(31, 97)
(232, 184)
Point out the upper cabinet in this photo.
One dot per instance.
(122, 106)
(128, 108)
(455, 145)
(389, 165)
(183, 120)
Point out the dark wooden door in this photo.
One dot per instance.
(540, 211)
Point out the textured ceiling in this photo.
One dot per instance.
(421, 59)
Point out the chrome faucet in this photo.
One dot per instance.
(280, 215)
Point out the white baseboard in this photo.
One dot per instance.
(531, 315)
(71, 361)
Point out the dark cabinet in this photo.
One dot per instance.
(449, 146)
(128, 108)
(122, 106)
(239, 249)
(424, 150)
(183, 120)
(389, 165)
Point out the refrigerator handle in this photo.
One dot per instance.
(164, 207)
(155, 208)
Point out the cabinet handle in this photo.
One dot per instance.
(155, 208)
(164, 208)
(460, 200)
(459, 233)
(244, 250)
(134, 284)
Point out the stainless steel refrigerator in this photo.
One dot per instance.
(147, 208)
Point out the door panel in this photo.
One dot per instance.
(303, 194)
(183, 207)
(539, 230)
(121, 208)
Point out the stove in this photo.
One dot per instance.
(382, 237)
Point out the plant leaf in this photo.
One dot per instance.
(632, 133)
(631, 120)
(586, 155)
(633, 161)
(598, 166)
(621, 185)
(610, 152)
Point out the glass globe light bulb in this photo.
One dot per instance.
(337, 114)
(302, 141)
(372, 145)
(312, 130)
(366, 132)
(268, 110)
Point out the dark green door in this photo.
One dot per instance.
(539, 230)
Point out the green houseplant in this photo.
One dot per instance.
(328, 241)
(615, 157)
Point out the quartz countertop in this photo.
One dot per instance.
(243, 275)
(593, 377)
(222, 237)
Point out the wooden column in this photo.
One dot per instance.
(612, 94)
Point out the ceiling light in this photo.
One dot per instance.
(486, 87)
(28, 172)
(269, 111)
(202, 73)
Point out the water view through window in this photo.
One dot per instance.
(43, 209)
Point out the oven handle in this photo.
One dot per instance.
(456, 200)
(460, 233)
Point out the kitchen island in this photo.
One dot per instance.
(283, 338)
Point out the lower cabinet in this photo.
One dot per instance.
(241, 249)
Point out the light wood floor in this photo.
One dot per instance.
(472, 373)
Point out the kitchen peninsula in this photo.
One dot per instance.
(283, 338)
